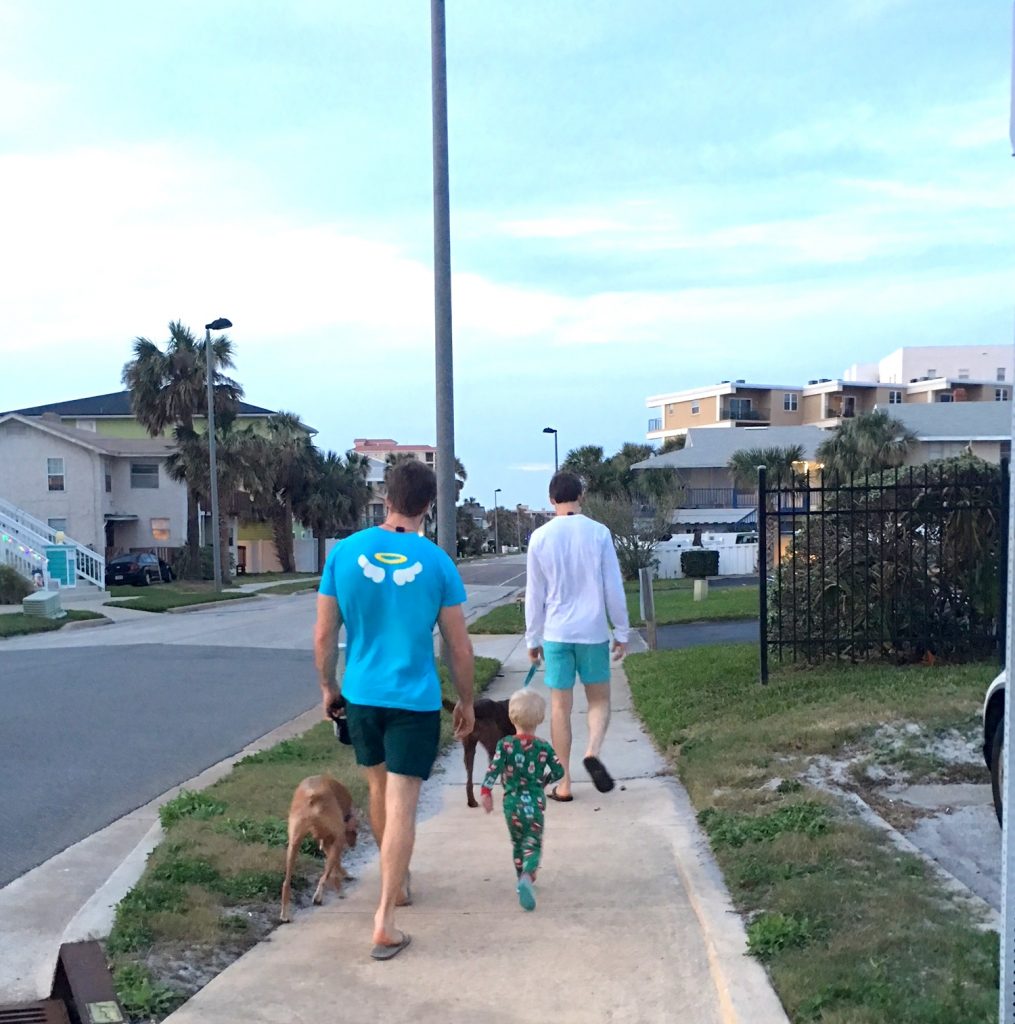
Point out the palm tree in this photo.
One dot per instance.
(597, 473)
(335, 499)
(869, 444)
(236, 463)
(168, 390)
(778, 463)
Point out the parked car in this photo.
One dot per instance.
(139, 570)
(993, 740)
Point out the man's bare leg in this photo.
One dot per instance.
(561, 702)
(401, 800)
(598, 696)
(377, 780)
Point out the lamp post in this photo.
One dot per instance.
(496, 532)
(518, 523)
(209, 367)
(553, 430)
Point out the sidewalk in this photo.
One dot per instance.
(633, 924)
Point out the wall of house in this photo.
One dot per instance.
(812, 407)
(779, 416)
(24, 481)
(167, 501)
(982, 362)
(678, 415)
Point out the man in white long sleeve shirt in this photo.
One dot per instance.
(573, 584)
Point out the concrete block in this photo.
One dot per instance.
(700, 590)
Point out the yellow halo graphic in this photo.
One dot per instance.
(390, 558)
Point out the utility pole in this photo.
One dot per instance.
(444, 363)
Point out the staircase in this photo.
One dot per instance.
(23, 542)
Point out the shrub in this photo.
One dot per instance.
(189, 804)
(699, 564)
(14, 588)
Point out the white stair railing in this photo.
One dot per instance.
(23, 542)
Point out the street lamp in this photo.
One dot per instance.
(496, 532)
(553, 430)
(518, 523)
(209, 367)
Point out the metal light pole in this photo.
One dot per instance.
(518, 523)
(553, 430)
(496, 531)
(209, 366)
(444, 363)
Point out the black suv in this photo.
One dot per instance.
(138, 570)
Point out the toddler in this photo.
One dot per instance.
(526, 764)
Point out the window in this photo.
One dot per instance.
(160, 529)
(740, 408)
(57, 525)
(695, 408)
(429, 457)
(1000, 373)
(1000, 394)
(109, 482)
(963, 374)
(945, 396)
(54, 470)
(789, 401)
(86, 425)
(144, 476)
(895, 398)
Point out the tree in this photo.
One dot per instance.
(778, 463)
(336, 497)
(168, 390)
(634, 536)
(868, 444)
(596, 472)
(673, 444)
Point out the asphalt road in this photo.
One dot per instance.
(506, 571)
(88, 734)
(704, 634)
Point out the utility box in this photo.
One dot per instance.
(43, 604)
(62, 564)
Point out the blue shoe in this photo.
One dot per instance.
(526, 894)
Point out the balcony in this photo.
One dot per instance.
(740, 415)
(717, 497)
(655, 425)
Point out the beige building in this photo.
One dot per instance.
(376, 450)
(953, 374)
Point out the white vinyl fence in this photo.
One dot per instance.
(734, 559)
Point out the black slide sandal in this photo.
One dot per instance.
(601, 778)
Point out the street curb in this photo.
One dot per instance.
(205, 605)
(87, 624)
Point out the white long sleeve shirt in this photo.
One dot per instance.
(573, 583)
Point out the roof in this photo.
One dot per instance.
(708, 447)
(117, 404)
(365, 445)
(956, 421)
(157, 447)
(726, 387)
(724, 516)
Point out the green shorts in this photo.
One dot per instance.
(406, 742)
(589, 662)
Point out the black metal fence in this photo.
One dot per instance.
(906, 565)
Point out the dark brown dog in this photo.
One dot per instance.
(321, 807)
(492, 724)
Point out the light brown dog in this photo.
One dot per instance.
(321, 807)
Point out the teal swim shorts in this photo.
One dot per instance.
(564, 662)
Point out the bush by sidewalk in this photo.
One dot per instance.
(211, 890)
(849, 928)
(14, 588)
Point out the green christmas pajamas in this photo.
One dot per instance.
(526, 764)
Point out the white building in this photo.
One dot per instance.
(991, 364)
(111, 494)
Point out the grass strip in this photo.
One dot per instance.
(161, 598)
(674, 604)
(19, 624)
(296, 587)
(211, 889)
(849, 928)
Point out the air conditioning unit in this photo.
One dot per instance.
(811, 383)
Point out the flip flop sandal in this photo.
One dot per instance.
(554, 795)
(383, 952)
(601, 778)
(526, 894)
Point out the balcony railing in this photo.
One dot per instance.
(717, 497)
(743, 415)
(654, 425)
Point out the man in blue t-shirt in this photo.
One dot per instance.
(390, 587)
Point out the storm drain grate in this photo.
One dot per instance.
(48, 1011)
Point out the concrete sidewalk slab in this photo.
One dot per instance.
(633, 922)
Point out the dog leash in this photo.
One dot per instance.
(531, 675)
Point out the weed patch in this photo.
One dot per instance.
(729, 829)
(772, 933)
(190, 804)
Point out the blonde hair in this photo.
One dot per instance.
(526, 709)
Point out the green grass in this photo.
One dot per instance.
(162, 596)
(508, 619)
(275, 577)
(849, 928)
(674, 603)
(215, 881)
(19, 624)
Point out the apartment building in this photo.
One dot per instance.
(376, 450)
(924, 375)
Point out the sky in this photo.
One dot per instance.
(645, 196)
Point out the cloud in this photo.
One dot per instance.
(533, 467)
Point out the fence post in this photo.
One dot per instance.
(648, 606)
(1002, 604)
(762, 576)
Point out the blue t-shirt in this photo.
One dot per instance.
(390, 589)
